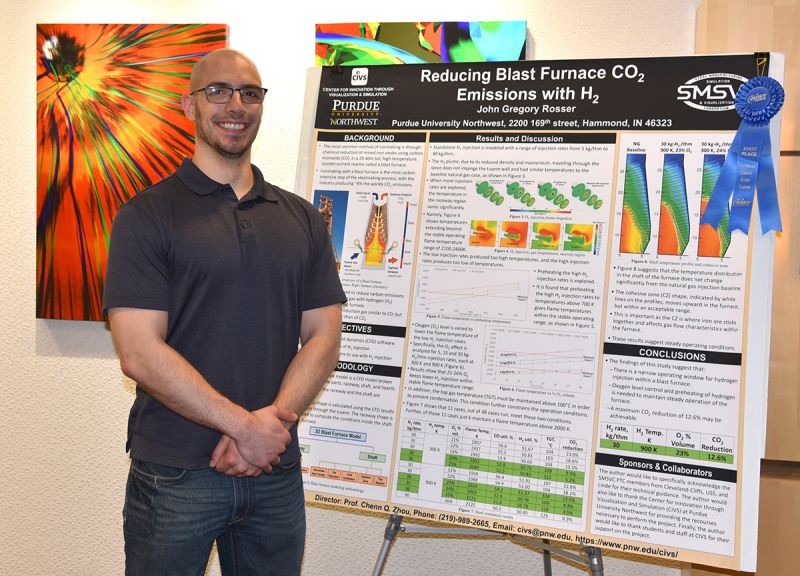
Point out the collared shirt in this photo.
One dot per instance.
(235, 277)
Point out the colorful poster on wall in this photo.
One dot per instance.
(108, 124)
(541, 339)
(362, 43)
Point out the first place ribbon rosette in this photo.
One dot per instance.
(748, 163)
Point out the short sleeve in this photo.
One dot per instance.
(137, 271)
(322, 286)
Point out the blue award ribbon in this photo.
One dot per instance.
(748, 163)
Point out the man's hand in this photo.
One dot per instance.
(259, 444)
(227, 460)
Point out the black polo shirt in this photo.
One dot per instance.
(235, 277)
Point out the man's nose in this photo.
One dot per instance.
(235, 103)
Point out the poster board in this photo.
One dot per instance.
(541, 339)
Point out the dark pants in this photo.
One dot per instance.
(172, 518)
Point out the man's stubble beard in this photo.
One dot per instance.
(200, 134)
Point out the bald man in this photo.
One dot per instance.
(214, 277)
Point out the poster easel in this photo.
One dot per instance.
(394, 526)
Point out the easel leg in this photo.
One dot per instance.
(393, 526)
(546, 560)
(595, 560)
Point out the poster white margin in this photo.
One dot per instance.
(757, 371)
(304, 153)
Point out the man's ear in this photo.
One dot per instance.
(188, 106)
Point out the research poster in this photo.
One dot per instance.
(541, 338)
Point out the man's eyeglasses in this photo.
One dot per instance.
(223, 94)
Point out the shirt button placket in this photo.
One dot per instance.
(246, 227)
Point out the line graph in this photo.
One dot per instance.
(473, 292)
(539, 359)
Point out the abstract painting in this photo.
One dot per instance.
(362, 43)
(109, 123)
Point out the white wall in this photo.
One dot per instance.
(63, 401)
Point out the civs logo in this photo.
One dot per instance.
(359, 76)
(714, 92)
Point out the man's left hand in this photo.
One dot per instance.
(227, 460)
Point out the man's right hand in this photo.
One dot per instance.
(264, 436)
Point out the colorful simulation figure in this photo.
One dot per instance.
(376, 237)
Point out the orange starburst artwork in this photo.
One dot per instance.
(109, 123)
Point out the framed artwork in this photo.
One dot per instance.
(363, 43)
(109, 123)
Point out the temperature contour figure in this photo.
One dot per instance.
(579, 237)
(376, 239)
(673, 226)
(515, 235)
(483, 233)
(546, 235)
(635, 234)
(713, 243)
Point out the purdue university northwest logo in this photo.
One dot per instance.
(714, 92)
(358, 105)
(359, 76)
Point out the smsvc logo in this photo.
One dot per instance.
(358, 77)
(712, 92)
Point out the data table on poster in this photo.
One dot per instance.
(686, 444)
(492, 471)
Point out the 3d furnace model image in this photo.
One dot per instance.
(376, 238)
